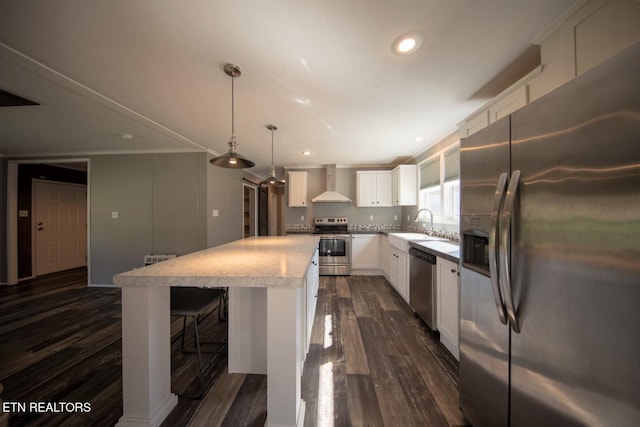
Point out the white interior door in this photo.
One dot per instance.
(60, 226)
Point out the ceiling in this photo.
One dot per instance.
(321, 70)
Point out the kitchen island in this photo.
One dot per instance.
(271, 281)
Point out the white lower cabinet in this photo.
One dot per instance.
(364, 251)
(448, 291)
(399, 271)
(313, 282)
(384, 255)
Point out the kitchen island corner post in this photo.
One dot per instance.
(285, 353)
(146, 356)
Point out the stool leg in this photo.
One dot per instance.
(184, 330)
(200, 370)
(195, 321)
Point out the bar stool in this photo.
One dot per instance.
(196, 302)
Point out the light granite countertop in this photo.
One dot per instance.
(266, 261)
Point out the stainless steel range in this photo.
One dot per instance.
(334, 247)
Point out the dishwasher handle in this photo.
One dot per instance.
(431, 259)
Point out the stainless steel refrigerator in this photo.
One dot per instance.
(550, 279)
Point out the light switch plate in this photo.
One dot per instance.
(115, 215)
(370, 217)
(215, 212)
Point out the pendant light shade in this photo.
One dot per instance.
(272, 179)
(232, 159)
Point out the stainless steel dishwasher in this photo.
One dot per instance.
(422, 286)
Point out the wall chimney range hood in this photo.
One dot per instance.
(331, 195)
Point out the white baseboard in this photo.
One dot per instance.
(99, 285)
(366, 272)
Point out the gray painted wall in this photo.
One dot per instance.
(345, 184)
(224, 193)
(123, 184)
(179, 203)
(160, 200)
(164, 204)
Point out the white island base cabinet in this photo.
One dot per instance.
(267, 322)
(261, 324)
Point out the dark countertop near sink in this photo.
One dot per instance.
(453, 256)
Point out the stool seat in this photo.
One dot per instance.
(186, 301)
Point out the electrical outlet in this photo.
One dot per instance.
(115, 215)
(395, 217)
(301, 217)
(408, 218)
(215, 212)
(370, 217)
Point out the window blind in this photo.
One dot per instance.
(430, 173)
(452, 165)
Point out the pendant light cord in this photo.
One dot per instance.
(233, 127)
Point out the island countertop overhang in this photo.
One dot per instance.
(266, 261)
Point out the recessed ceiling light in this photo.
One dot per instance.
(126, 136)
(419, 139)
(407, 43)
(306, 153)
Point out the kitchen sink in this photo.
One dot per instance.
(401, 240)
(444, 247)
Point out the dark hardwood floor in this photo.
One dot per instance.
(371, 362)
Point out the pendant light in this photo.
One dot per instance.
(232, 159)
(272, 170)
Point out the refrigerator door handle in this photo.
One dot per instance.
(505, 233)
(493, 247)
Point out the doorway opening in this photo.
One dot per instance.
(47, 217)
(249, 210)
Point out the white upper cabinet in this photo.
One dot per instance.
(373, 188)
(297, 189)
(405, 185)
(590, 34)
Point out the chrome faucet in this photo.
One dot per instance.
(418, 214)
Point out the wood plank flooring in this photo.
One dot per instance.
(371, 361)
